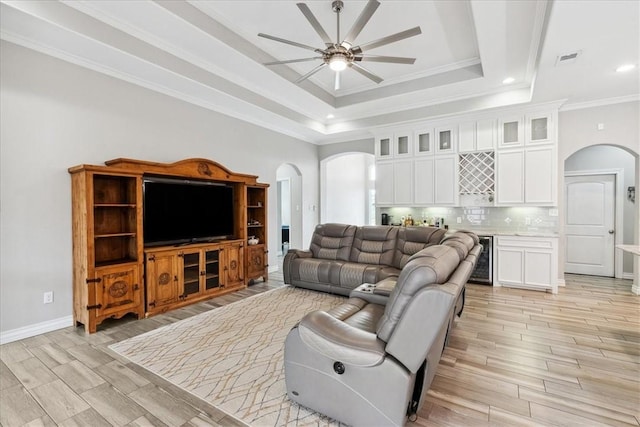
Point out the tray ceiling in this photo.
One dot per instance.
(209, 53)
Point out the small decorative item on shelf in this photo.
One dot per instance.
(259, 204)
(254, 222)
(253, 240)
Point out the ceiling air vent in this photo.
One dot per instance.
(568, 58)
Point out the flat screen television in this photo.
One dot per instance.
(179, 211)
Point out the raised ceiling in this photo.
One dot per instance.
(209, 53)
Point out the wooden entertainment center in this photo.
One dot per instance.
(115, 274)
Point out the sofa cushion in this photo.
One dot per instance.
(412, 240)
(374, 245)
(332, 241)
(433, 266)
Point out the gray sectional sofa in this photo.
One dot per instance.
(341, 257)
(370, 360)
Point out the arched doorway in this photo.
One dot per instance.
(348, 189)
(598, 213)
(289, 208)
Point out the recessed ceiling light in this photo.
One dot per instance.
(508, 81)
(625, 67)
(330, 116)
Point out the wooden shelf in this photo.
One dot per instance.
(103, 236)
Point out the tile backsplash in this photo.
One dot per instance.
(486, 218)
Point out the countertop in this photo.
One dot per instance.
(524, 233)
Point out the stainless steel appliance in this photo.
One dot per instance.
(483, 273)
(386, 219)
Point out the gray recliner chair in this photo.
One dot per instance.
(369, 364)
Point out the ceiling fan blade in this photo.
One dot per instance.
(311, 73)
(291, 61)
(362, 20)
(292, 43)
(336, 85)
(390, 59)
(315, 24)
(386, 40)
(359, 68)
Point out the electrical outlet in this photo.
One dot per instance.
(527, 221)
(553, 212)
(48, 297)
(459, 220)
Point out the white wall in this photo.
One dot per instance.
(55, 115)
(345, 179)
(578, 129)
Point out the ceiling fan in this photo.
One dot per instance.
(342, 54)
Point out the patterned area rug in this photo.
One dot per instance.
(232, 357)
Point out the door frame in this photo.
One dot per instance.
(618, 206)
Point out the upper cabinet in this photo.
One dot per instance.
(424, 144)
(394, 146)
(384, 147)
(510, 132)
(539, 128)
(503, 157)
(446, 139)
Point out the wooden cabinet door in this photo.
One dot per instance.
(233, 265)
(256, 262)
(191, 272)
(162, 279)
(118, 290)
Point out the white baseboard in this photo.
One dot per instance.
(272, 268)
(561, 282)
(628, 276)
(36, 329)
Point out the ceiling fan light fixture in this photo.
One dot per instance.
(338, 62)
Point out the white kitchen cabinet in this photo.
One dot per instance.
(394, 183)
(467, 137)
(510, 177)
(539, 128)
(424, 144)
(510, 132)
(526, 176)
(423, 185)
(526, 262)
(403, 182)
(402, 145)
(445, 180)
(435, 181)
(477, 136)
(394, 146)
(540, 183)
(446, 139)
(486, 135)
(384, 183)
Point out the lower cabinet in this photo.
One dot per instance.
(526, 262)
(112, 292)
(176, 277)
(257, 262)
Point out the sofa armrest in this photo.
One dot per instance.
(288, 258)
(300, 253)
(340, 341)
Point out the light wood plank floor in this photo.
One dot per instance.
(515, 358)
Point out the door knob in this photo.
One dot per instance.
(611, 231)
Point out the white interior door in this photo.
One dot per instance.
(589, 224)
